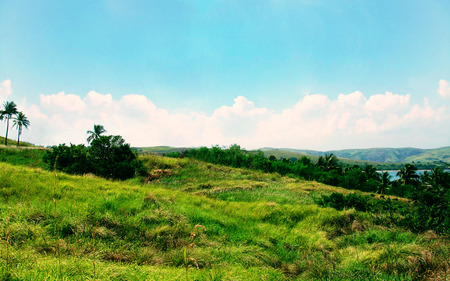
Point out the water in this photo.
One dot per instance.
(394, 176)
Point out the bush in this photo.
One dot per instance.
(108, 156)
(339, 201)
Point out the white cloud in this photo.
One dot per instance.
(353, 99)
(5, 90)
(314, 122)
(95, 99)
(62, 103)
(444, 89)
(387, 103)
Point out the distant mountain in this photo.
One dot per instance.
(380, 155)
(383, 155)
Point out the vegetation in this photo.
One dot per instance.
(14, 143)
(431, 199)
(31, 156)
(20, 122)
(93, 135)
(107, 156)
(200, 221)
(381, 158)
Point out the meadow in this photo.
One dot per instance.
(191, 220)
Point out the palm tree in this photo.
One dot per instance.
(9, 109)
(20, 121)
(98, 130)
(408, 174)
(371, 173)
(385, 182)
(440, 179)
(329, 162)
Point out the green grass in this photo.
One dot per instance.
(14, 142)
(31, 157)
(258, 226)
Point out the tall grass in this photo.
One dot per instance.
(259, 227)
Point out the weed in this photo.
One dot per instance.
(187, 259)
(94, 253)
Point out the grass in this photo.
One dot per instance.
(14, 142)
(255, 226)
(31, 157)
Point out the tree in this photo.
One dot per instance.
(9, 109)
(329, 162)
(20, 121)
(408, 174)
(98, 130)
(113, 158)
(385, 182)
(371, 173)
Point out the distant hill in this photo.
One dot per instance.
(159, 150)
(384, 155)
(436, 156)
(431, 155)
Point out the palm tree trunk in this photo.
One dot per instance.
(18, 136)
(7, 127)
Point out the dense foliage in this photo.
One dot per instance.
(107, 156)
(430, 193)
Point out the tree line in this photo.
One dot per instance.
(20, 121)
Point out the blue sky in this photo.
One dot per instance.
(192, 58)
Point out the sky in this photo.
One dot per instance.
(303, 74)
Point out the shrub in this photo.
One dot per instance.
(339, 201)
(108, 156)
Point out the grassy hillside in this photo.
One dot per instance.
(14, 142)
(22, 156)
(432, 155)
(196, 221)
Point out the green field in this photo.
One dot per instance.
(189, 220)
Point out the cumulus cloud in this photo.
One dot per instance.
(95, 99)
(62, 103)
(354, 99)
(387, 103)
(314, 122)
(444, 89)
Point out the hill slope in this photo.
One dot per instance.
(13, 142)
(245, 225)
